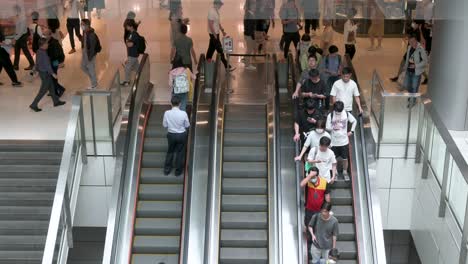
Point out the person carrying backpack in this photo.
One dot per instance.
(91, 47)
(132, 42)
(181, 81)
(57, 57)
(35, 30)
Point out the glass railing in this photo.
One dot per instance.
(395, 115)
(442, 158)
(90, 132)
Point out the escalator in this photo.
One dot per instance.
(159, 206)
(358, 240)
(242, 204)
(149, 222)
(244, 187)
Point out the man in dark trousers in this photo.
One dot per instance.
(57, 57)
(44, 67)
(91, 47)
(5, 61)
(21, 39)
(176, 121)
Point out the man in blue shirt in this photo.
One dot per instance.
(176, 121)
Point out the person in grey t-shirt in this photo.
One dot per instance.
(324, 230)
(290, 19)
(183, 48)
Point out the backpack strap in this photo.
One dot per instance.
(35, 30)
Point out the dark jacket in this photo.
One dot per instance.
(55, 51)
(91, 43)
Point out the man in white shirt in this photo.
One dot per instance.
(337, 124)
(324, 159)
(73, 23)
(176, 121)
(21, 40)
(214, 27)
(344, 90)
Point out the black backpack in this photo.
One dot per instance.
(35, 40)
(141, 46)
(98, 44)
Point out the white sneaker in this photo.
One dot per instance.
(250, 67)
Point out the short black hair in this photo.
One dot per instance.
(326, 206)
(320, 123)
(313, 169)
(314, 73)
(312, 50)
(310, 104)
(332, 49)
(412, 35)
(325, 141)
(346, 70)
(183, 29)
(175, 100)
(305, 37)
(86, 21)
(43, 41)
(178, 62)
(338, 107)
(131, 23)
(311, 56)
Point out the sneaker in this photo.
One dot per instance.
(35, 108)
(17, 84)
(92, 88)
(250, 67)
(16, 68)
(72, 51)
(231, 69)
(346, 176)
(167, 172)
(243, 60)
(1, 83)
(29, 68)
(126, 83)
(178, 173)
(59, 103)
(425, 81)
(394, 79)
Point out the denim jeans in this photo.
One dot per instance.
(411, 82)
(183, 100)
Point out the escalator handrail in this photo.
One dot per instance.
(375, 223)
(189, 161)
(130, 119)
(211, 254)
(301, 235)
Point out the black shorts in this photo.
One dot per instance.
(341, 151)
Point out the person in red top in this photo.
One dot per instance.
(318, 191)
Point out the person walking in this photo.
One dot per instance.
(377, 27)
(311, 16)
(415, 64)
(176, 121)
(91, 47)
(183, 48)
(21, 40)
(44, 67)
(132, 42)
(290, 19)
(57, 58)
(350, 34)
(181, 81)
(214, 27)
(324, 230)
(324, 159)
(129, 19)
(318, 192)
(73, 23)
(5, 61)
(345, 90)
(249, 33)
(35, 31)
(313, 139)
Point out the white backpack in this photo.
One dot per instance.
(181, 83)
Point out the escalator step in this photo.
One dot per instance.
(22, 243)
(20, 228)
(344, 213)
(157, 226)
(30, 158)
(28, 185)
(153, 159)
(244, 169)
(342, 196)
(247, 139)
(155, 258)
(341, 184)
(347, 232)
(244, 238)
(348, 249)
(155, 145)
(26, 199)
(245, 154)
(159, 209)
(244, 186)
(156, 176)
(19, 213)
(26, 256)
(244, 220)
(30, 171)
(161, 192)
(244, 126)
(244, 203)
(156, 244)
(243, 256)
(231, 108)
